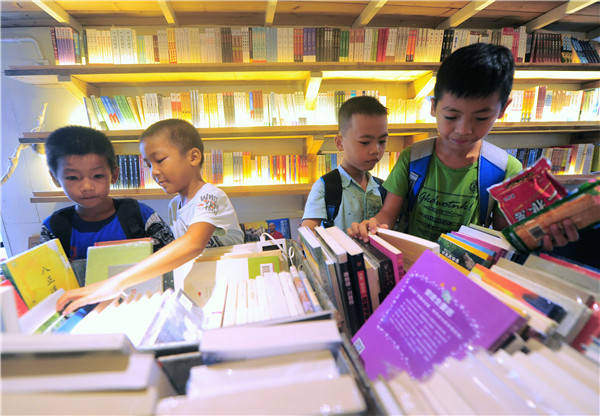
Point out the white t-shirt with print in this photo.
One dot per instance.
(211, 205)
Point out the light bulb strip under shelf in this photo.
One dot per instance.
(300, 132)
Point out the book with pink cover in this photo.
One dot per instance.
(433, 313)
(392, 252)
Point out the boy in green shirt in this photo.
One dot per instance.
(450, 188)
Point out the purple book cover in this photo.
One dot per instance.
(433, 313)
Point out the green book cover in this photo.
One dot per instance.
(101, 257)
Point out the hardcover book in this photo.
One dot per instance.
(39, 272)
(433, 313)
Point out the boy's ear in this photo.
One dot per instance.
(195, 156)
(115, 176)
(56, 182)
(338, 143)
(505, 107)
(433, 103)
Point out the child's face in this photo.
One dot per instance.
(171, 169)
(85, 179)
(462, 122)
(364, 142)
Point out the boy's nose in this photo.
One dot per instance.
(463, 127)
(87, 184)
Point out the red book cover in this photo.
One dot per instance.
(21, 307)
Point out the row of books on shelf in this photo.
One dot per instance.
(242, 168)
(542, 104)
(573, 159)
(224, 109)
(122, 45)
(223, 168)
(258, 108)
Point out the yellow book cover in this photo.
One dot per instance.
(39, 272)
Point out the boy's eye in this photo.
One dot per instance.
(450, 117)
(364, 143)
(71, 178)
(482, 118)
(99, 176)
(383, 141)
(160, 160)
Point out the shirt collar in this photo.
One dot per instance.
(347, 179)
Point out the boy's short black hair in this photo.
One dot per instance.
(476, 71)
(78, 141)
(363, 104)
(181, 133)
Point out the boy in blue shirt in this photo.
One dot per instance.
(82, 161)
(201, 214)
(363, 134)
(443, 183)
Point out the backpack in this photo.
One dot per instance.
(128, 213)
(491, 170)
(333, 194)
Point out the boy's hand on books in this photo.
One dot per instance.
(560, 234)
(93, 293)
(364, 228)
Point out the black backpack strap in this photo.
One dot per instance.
(61, 225)
(382, 190)
(333, 195)
(130, 217)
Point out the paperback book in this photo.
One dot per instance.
(433, 313)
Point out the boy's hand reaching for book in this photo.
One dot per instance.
(364, 228)
(94, 293)
(560, 234)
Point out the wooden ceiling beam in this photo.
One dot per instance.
(59, 14)
(270, 12)
(470, 10)
(553, 15)
(167, 11)
(368, 13)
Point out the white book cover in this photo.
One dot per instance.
(250, 341)
(227, 378)
(277, 302)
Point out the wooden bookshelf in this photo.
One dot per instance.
(85, 80)
(147, 194)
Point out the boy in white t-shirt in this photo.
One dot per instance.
(201, 215)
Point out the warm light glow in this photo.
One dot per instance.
(555, 75)
(312, 91)
(376, 75)
(79, 117)
(426, 90)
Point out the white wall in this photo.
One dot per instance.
(21, 104)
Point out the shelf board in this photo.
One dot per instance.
(148, 74)
(576, 179)
(283, 132)
(147, 194)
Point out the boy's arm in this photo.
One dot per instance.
(173, 255)
(385, 218)
(311, 222)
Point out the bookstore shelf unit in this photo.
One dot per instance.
(85, 80)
